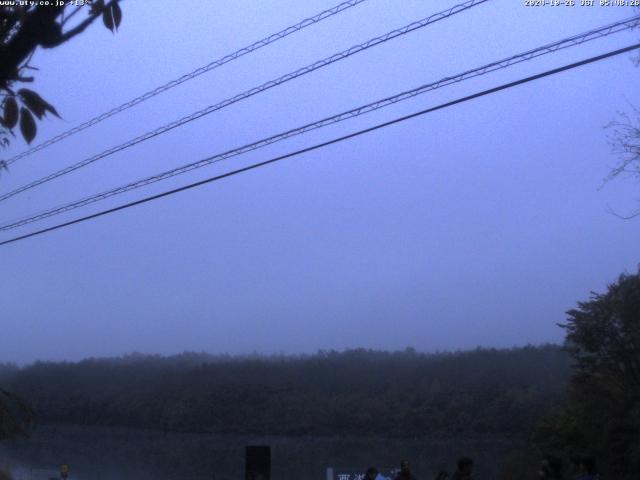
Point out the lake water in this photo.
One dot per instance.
(98, 453)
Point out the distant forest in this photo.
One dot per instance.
(484, 391)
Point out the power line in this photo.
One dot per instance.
(249, 93)
(195, 73)
(370, 107)
(330, 142)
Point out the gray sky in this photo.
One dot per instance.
(476, 225)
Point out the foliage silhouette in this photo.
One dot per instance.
(602, 414)
(485, 391)
(24, 28)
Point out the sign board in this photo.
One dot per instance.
(358, 473)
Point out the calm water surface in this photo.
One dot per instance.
(98, 453)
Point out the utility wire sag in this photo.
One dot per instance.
(572, 41)
(189, 76)
(330, 142)
(254, 91)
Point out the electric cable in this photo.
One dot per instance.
(329, 142)
(574, 40)
(189, 76)
(249, 93)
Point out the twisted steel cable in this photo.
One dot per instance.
(253, 91)
(184, 78)
(572, 41)
(317, 146)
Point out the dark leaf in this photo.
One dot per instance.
(27, 125)
(117, 14)
(107, 19)
(33, 102)
(96, 7)
(10, 112)
(36, 103)
(51, 108)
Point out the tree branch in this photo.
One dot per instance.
(623, 217)
(37, 28)
(82, 26)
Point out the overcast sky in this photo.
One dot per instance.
(480, 224)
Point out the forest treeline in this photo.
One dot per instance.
(404, 393)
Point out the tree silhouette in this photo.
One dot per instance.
(625, 141)
(602, 415)
(356, 392)
(22, 30)
(603, 334)
(16, 417)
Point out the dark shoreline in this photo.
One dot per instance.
(133, 454)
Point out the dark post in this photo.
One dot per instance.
(258, 463)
